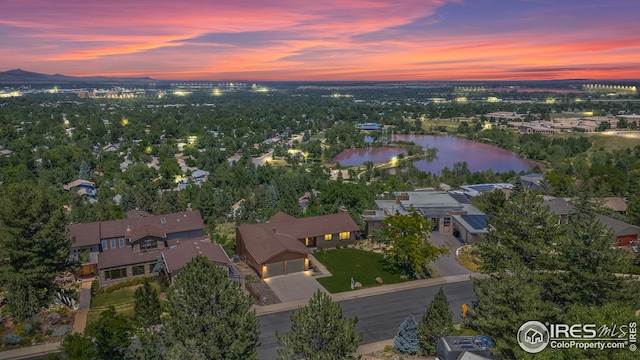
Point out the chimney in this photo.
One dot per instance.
(188, 206)
(274, 230)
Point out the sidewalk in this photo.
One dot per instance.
(377, 290)
(31, 351)
(80, 321)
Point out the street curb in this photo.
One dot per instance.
(379, 290)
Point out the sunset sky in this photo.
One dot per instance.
(324, 39)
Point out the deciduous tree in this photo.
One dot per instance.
(411, 252)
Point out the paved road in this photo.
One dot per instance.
(379, 316)
(448, 265)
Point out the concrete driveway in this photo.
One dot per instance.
(448, 265)
(292, 287)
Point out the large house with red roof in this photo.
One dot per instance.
(123, 249)
(281, 245)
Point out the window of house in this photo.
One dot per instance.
(138, 270)
(328, 237)
(149, 244)
(121, 240)
(115, 274)
(104, 244)
(113, 243)
(447, 221)
(345, 235)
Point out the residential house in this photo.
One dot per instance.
(531, 181)
(235, 208)
(303, 201)
(443, 208)
(83, 188)
(199, 176)
(464, 348)
(615, 204)
(624, 233)
(281, 245)
(132, 247)
(111, 147)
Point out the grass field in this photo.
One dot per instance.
(363, 266)
(121, 300)
(613, 142)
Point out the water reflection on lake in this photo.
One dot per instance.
(451, 149)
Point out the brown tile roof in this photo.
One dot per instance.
(85, 234)
(92, 233)
(281, 233)
(315, 225)
(281, 216)
(615, 204)
(179, 256)
(119, 257)
(263, 243)
(146, 230)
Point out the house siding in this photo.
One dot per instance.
(335, 241)
(148, 266)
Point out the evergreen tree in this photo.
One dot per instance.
(406, 341)
(77, 346)
(436, 322)
(147, 307)
(523, 239)
(319, 332)
(208, 310)
(111, 335)
(34, 244)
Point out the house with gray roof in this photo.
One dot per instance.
(625, 233)
(449, 214)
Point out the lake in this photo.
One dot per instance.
(451, 149)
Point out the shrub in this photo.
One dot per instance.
(27, 328)
(61, 310)
(12, 339)
(19, 330)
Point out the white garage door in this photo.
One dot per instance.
(275, 269)
(295, 265)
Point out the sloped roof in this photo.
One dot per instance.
(92, 233)
(264, 243)
(615, 203)
(620, 228)
(179, 256)
(281, 233)
(280, 217)
(175, 258)
(146, 230)
(316, 225)
(118, 257)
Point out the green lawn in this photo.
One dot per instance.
(363, 266)
(121, 299)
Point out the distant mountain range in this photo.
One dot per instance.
(21, 77)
